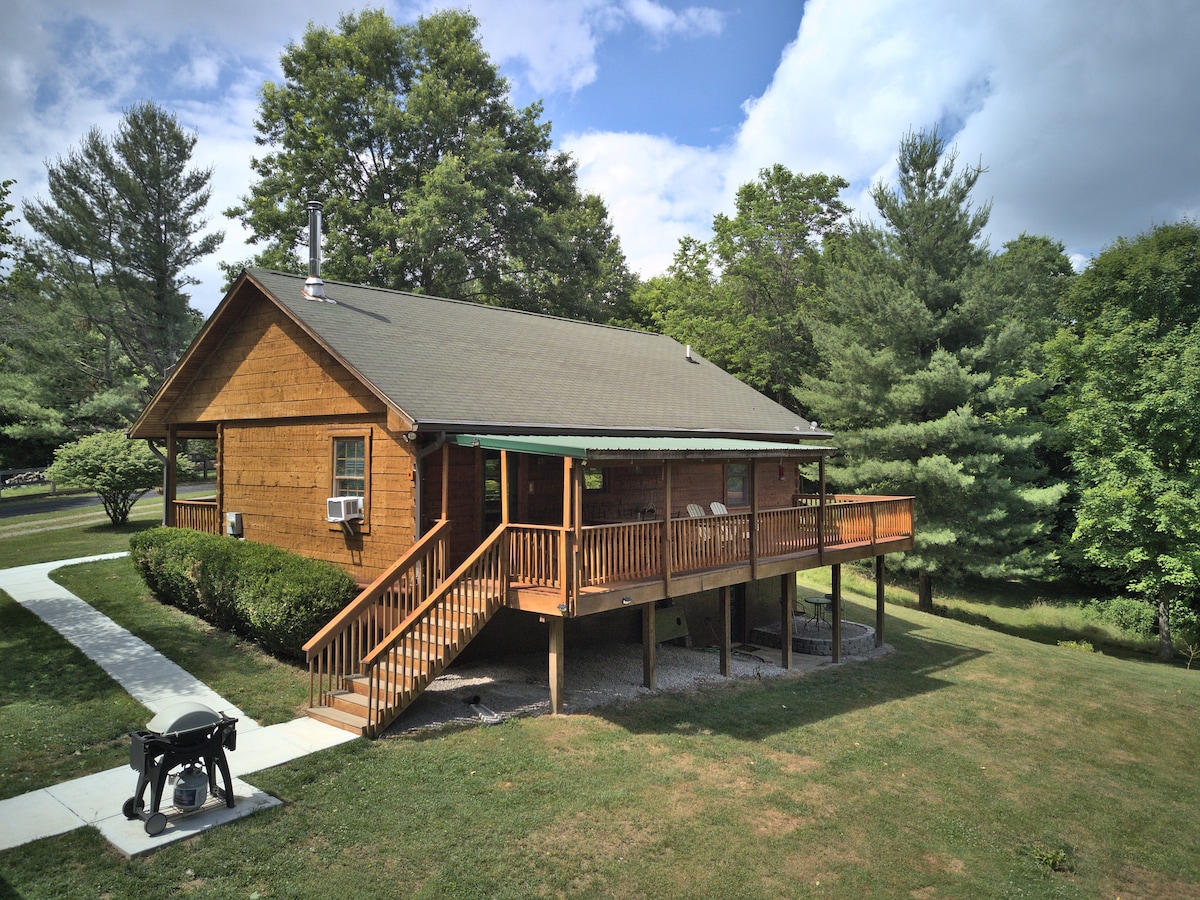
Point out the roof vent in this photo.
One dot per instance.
(314, 287)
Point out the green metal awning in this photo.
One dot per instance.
(616, 447)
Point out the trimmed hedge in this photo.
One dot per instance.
(270, 596)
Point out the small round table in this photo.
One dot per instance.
(819, 606)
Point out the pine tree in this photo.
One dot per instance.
(908, 377)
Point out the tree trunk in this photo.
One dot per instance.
(924, 592)
(1165, 651)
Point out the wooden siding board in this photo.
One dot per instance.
(278, 476)
(266, 368)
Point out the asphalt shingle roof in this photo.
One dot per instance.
(459, 366)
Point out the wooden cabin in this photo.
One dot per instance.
(500, 466)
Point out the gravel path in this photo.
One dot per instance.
(519, 685)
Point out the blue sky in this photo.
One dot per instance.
(1082, 111)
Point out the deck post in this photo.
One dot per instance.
(564, 561)
(505, 513)
(445, 482)
(557, 648)
(787, 610)
(752, 470)
(667, 541)
(726, 632)
(879, 601)
(821, 509)
(648, 645)
(837, 612)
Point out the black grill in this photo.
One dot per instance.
(185, 734)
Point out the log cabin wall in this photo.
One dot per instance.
(278, 475)
(267, 367)
(629, 492)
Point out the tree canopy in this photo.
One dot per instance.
(919, 324)
(95, 311)
(432, 181)
(745, 298)
(1128, 367)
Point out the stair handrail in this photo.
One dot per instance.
(415, 554)
(417, 615)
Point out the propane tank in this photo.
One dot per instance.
(191, 788)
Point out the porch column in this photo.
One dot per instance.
(787, 610)
(879, 601)
(752, 475)
(564, 545)
(821, 509)
(557, 648)
(837, 612)
(504, 511)
(170, 477)
(445, 482)
(667, 540)
(726, 632)
(648, 645)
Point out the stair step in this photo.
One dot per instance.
(349, 701)
(339, 719)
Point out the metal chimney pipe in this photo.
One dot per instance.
(314, 287)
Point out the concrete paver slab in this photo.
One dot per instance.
(129, 835)
(33, 816)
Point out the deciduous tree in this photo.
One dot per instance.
(432, 181)
(1128, 365)
(745, 299)
(119, 470)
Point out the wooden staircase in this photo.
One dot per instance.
(380, 652)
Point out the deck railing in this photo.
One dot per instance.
(337, 650)
(625, 552)
(535, 554)
(198, 515)
(416, 651)
(632, 551)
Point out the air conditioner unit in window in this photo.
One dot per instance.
(344, 509)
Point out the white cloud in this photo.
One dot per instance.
(663, 21)
(656, 191)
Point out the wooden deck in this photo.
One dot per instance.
(620, 565)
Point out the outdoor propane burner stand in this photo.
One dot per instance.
(182, 735)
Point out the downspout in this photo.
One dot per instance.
(419, 478)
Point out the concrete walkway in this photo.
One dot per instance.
(156, 682)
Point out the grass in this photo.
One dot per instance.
(35, 538)
(971, 762)
(61, 715)
(265, 688)
(1046, 613)
(968, 763)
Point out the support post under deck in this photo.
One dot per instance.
(879, 586)
(787, 611)
(557, 647)
(837, 612)
(648, 645)
(726, 632)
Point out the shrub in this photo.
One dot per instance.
(119, 470)
(274, 598)
(1134, 617)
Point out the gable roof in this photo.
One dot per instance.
(454, 366)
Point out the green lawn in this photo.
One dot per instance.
(37, 537)
(61, 716)
(969, 763)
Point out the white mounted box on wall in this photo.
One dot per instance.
(344, 509)
(233, 524)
